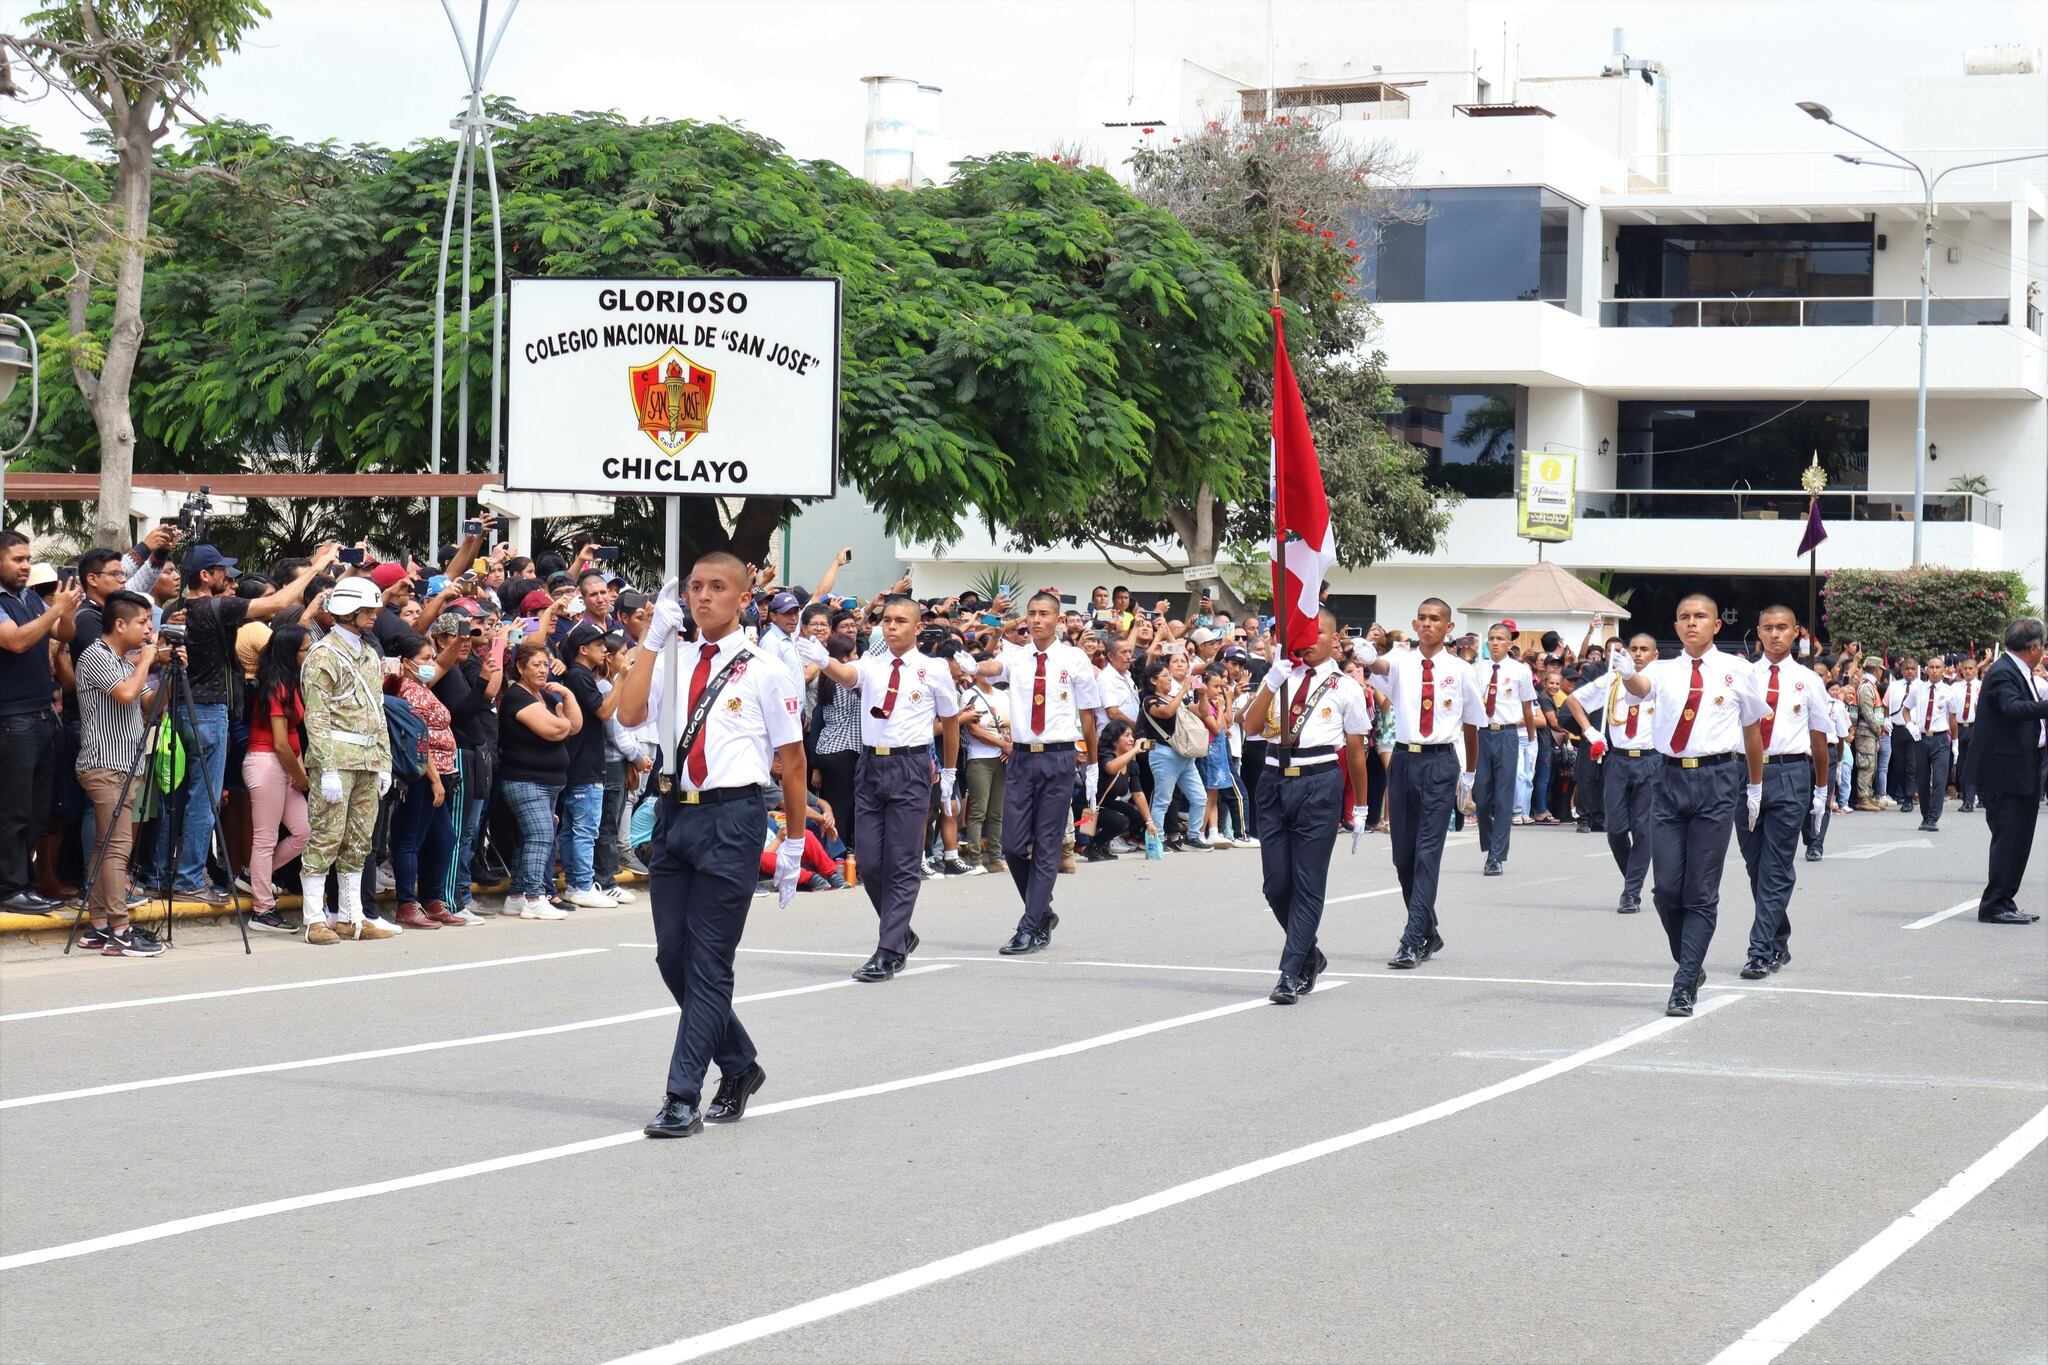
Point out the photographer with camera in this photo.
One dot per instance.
(113, 692)
(212, 619)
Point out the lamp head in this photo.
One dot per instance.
(1818, 111)
(14, 361)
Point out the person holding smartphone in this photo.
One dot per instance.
(1121, 809)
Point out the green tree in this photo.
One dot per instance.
(1923, 610)
(136, 64)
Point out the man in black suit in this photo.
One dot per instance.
(2006, 750)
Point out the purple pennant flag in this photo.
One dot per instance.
(1815, 531)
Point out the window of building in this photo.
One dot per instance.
(1469, 436)
(1741, 444)
(1475, 245)
(1744, 260)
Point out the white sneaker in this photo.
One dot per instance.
(1217, 840)
(1247, 842)
(468, 916)
(537, 907)
(385, 880)
(975, 870)
(470, 910)
(589, 898)
(619, 895)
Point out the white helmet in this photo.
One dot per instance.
(352, 595)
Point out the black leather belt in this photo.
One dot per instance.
(1704, 761)
(1787, 758)
(1635, 753)
(713, 796)
(889, 750)
(1050, 747)
(1325, 756)
(1443, 748)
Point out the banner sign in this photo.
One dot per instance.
(728, 387)
(1545, 494)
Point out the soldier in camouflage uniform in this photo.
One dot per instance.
(348, 756)
(1869, 735)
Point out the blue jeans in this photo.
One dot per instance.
(422, 838)
(477, 775)
(582, 805)
(204, 773)
(1170, 770)
(1525, 777)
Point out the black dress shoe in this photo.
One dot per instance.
(2006, 917)
(1680, 1004)
(910, 942)
(1044, 934)
(1405, 959)
(1493, 869)
(676, 1119)
(880, 967)
(1756, 969)
(1780, 958)
(1290, 989)
(1021, 942)
(1629, 905)
(1813, 854)
(1585, 828)
(1431, 946)
(1312, 969)
(1967, 807)
(729, 1105)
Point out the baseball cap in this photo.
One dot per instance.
(1509, 623)
(1202, 635)
(453, 621)
(580, 634)
(1236, 654)
(204, 557)
(386, 574)
(781, 602)
(535, 601)
(436, 584)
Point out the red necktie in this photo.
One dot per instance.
(1492, 684)
(1770, 707)
(697, 767)
(1969, 691)
(1295, 708)
(1683, 732)
(888, 706)
(1631, 730)
(1038, 699)
(1927, 726)
(1428, 697)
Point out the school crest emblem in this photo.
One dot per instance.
(672, 399)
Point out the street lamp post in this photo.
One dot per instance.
(14, 360)
(1927, 187)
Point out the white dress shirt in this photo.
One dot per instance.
(988, 710)
(1838, 716)
(1114, 689)
(1927, 709)
(1449, 678)
(1729, 699)
(759, 710)
(1802, 706)
(1340, 710)
(1511, 683)
(779, 647)
(1606, 694)
(1895, 700)
(924, 692)
(1070, 689)
(1963, 695)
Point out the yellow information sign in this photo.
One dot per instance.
(1545, 494)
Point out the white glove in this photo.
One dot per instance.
(383, 783)
(1357, 826)
(1362, 650)
(668, 618)
(1820, 805)
(1623, 663)
(1089, 782)
(789, 865)
(1465, 781)
(811, 652)
(1754, 795)
(949, 779)
(330, 786)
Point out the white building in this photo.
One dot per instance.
(1693, 328)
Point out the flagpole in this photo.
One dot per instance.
(1279, 545)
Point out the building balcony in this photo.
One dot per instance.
(1809, 312)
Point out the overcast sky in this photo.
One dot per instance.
(386, 70)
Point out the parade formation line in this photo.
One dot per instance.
(410, 1049)
(178, 1227)
(979, 1258)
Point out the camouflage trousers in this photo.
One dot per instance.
(342, 831)
(1866, 766)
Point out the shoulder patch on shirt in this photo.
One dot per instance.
(791, 705)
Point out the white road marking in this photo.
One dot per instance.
(1606, 853)
(1364, 895)
(297, 985)
(1941, 915)
(269, 1208)
(1769, 1338)
(1877, 850)
(862, 957)
(979, 1258)
(374, 1054)
(1769, 1073)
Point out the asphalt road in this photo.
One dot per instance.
(427, 1149)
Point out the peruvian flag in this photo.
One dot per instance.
(1304, 546)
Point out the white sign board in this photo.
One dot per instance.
(1195, 573)
(727, 387)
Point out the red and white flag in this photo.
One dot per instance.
(1304, 546)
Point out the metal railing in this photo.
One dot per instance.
(1786, 504)
(1871, 311)
(1810, 173)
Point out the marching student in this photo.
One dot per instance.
(1052, 728)
(1502, 704)
(1897, 765)
(903, 691)
(1963, 694)
(1705, 721)
(1629, 770)
(1928, 714)
(741, 712)
(1840, 728)
(1795, 729)
(1425, 780)
(1322, 729)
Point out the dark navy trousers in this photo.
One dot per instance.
(1696, 809)
(700, 884)
(1300, 816)
(1036, 797)
(1421, 789)
(891, 795)
(1493, 789)
(1771, 853)
(1630, 797)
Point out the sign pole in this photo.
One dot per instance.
(672, 554)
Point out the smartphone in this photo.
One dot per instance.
(573, 607)
(498, 652)
(989, 618)
(350, 554)
(472, 527)
(67, 573)
(1144, 746)
(608, 553)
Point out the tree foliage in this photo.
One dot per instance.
(1923, 610)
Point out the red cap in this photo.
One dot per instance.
(1513, 629)
(384, 575)
(535, 601)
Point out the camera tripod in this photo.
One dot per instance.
(173, 697)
